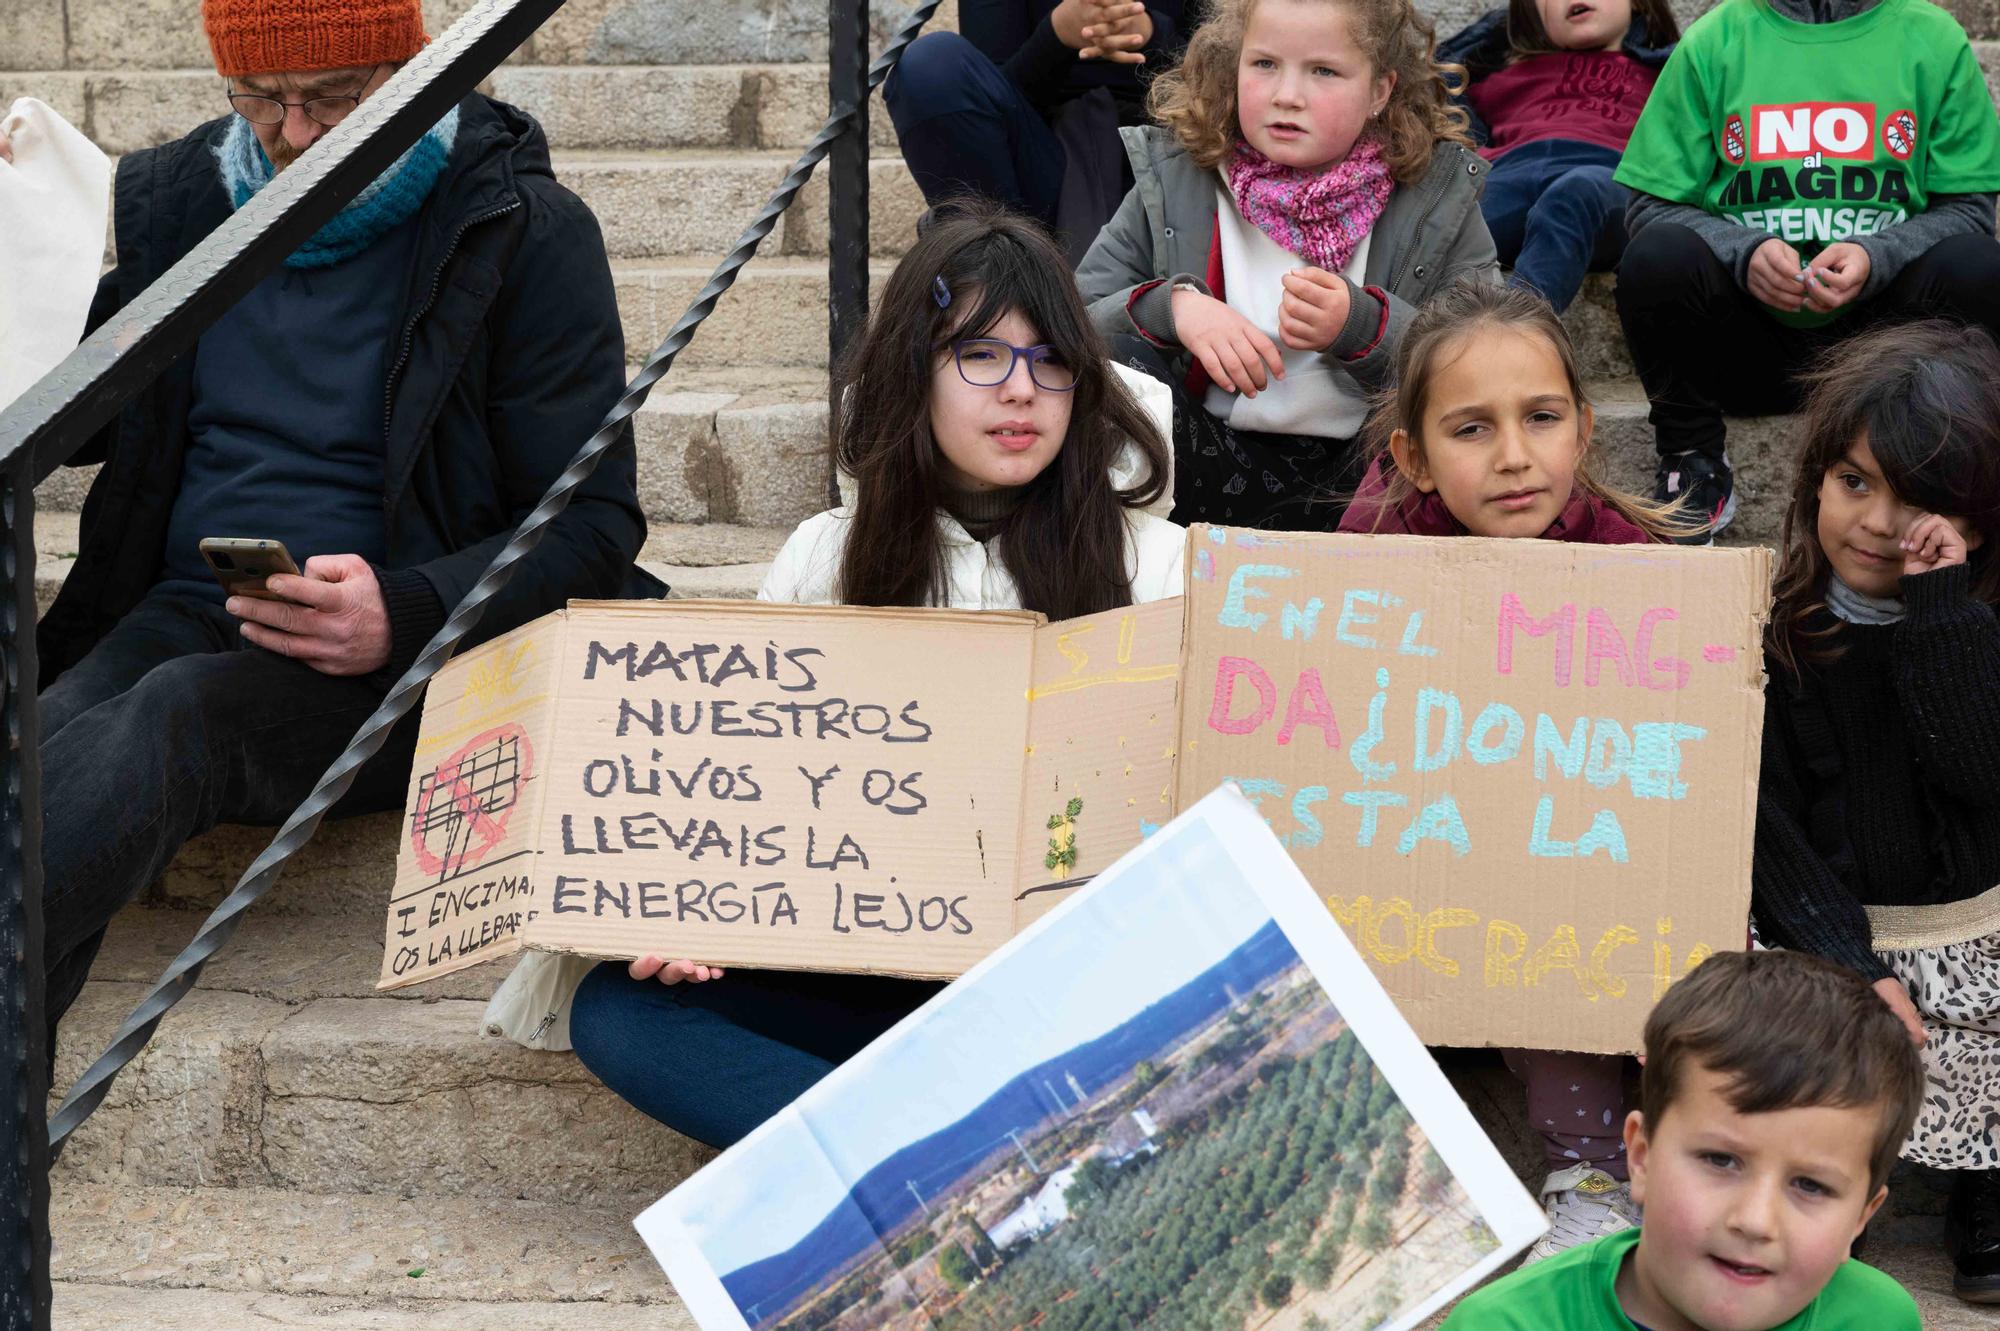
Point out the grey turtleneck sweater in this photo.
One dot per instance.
(1889, 251)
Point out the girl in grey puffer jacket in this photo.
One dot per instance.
(1312, 186)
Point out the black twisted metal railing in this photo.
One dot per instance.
(49, 423)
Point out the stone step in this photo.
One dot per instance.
(716, 446)
(168, 1246)
(639, 106)
(672, 106)
(113, 34)
(625, 107)
(278, 956)
(685, 459)
(775, 316)
(1761, 447)
(429, 1251)
(729, 464)
(695, 202)
(129, 1308)
(162, 34)
(144, 1254)
(404, 1096)
(346, 870)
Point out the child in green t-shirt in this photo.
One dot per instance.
(1802, 167)
(1776, 1093)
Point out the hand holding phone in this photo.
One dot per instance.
(331, 616)
(241, 564)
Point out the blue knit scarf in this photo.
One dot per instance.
(389, 199)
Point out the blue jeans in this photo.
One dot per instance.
(965, 127)
(170, 725)
(712, 1061)
(1556, 214)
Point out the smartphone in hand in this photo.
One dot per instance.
(241, 564)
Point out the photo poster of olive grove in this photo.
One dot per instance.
(1179, 1101)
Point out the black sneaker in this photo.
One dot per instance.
(1709, 488)
(1972, 1235)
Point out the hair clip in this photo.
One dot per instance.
(940, 293)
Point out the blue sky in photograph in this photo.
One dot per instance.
(1174, 914)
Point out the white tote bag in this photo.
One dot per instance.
(54, 198)
(531, 1006)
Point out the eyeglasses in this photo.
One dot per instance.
(261, 110)
(986, 362)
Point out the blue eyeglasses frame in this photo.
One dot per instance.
(1014, 358)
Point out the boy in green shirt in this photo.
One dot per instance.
(1803, 168)
(1777, 1091)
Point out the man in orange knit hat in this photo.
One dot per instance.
(389, 404)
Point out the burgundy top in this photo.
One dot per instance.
(1585, 520)
(1590, 96)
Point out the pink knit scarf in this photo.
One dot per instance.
(1319, 215)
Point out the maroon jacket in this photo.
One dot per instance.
(1586, 519)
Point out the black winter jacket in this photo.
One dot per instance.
(509, 356)
(1881, 776)
(1481, 46)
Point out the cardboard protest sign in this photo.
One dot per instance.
(1178, 1065)
(824, 788)
(1522, 774)
(1105, 717)
(1512, 768)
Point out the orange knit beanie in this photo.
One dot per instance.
(295, 36)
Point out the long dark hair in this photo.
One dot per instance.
(1065, 544)
(1526, 36)
(1926, 396)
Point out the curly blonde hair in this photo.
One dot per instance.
(1197, 100)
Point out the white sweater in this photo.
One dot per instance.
(1316, 397)
(807, 569)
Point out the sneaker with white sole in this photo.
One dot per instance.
(1705, 487)
(1583, 1204)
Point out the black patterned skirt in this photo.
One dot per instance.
(1246, 478)
(1949, 956)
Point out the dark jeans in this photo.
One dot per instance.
(714, 1060)
(1248, 478)
(1556, 214)
(1705, 346)
(965, 127)
(171, 725)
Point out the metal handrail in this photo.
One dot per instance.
(155, 335)
(43, 428)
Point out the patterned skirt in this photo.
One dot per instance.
(1949, 956)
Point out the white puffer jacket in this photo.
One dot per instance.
(807, 569)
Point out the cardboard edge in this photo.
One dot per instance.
(498, 952)
(943, 977)
(781, 609)
(555, 621)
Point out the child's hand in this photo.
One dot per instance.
(1932, 542)
(1774, 276)
(1237, 356)
(672, 972)
(1838, 274)
(1896, 995)
(1312, 310)
(1069, 20)
(1116, 30)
